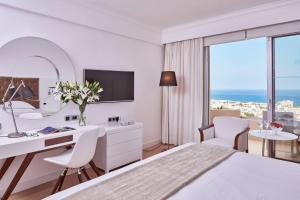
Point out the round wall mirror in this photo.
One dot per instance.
(33, 64)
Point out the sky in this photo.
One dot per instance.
(243, 65)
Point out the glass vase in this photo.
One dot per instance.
(82, 117)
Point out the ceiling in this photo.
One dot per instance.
(166, 13)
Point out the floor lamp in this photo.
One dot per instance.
(167, 79)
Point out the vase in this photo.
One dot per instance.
(82, 117)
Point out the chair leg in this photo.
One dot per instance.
(79, 175)
(59, 181)
(94, 167)
(63, 179)
(263, 147)
(85, 174)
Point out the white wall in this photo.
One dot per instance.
(88, 48)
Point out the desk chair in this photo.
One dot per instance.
(76, 158)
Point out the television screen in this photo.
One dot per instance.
(117, 85)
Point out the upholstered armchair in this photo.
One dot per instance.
(230, 132)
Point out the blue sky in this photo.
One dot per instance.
(243, 65)
(287, 62)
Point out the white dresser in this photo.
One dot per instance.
(120, 146)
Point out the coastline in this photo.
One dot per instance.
(256, 96)
(255, 109)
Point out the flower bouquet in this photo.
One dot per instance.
(80, 94)
(276, 127)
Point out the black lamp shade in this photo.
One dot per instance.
(26, 93)
(168, 78)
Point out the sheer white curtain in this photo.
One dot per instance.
(186, 100)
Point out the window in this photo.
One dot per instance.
(243, 84)
(238, 79)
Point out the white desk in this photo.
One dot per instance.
(12, 147)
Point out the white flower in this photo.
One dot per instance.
(78, 93)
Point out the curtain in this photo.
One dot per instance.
(186, 99)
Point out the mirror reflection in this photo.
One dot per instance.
(29, 69)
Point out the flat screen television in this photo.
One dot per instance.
(117, 85)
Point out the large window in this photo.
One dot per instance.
(287, 75)
(286, 84)
(238, 79)
(258, 79)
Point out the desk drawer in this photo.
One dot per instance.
(124, 147)
(125, 136)
(124, 158)
(58, 140)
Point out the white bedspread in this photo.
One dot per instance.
(241, 177)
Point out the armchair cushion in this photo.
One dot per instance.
(227, 128)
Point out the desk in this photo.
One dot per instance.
(13, 147)
(271, 137)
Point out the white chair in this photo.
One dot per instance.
(229, 132)
(76, 158)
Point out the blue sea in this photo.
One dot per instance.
(257, 96)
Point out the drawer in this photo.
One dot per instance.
(121, 137)
(124, 147)
(124, 158)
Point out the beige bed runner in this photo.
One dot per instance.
(158, 179)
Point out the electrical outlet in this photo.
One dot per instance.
(71, 117)
(67, 118)
(75, 117)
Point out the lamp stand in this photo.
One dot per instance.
(168, 111)
(16, 134)
(168, 78)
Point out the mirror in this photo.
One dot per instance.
(39, 64)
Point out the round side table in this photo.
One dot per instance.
(271, 138)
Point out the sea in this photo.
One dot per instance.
(257, 96)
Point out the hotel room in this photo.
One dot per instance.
(149, 99)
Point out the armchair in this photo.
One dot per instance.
(230, 132)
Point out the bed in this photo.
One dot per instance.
(240, 176)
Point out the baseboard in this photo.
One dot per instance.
(151, 143)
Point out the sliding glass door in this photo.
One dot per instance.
(286, 84)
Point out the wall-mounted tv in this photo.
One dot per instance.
(117, 85)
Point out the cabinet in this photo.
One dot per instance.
(121, 145)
